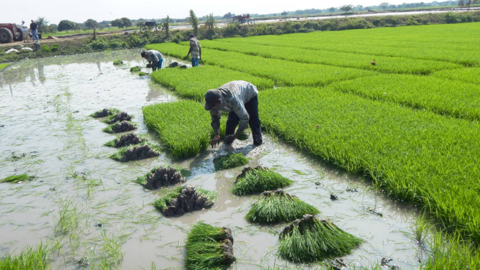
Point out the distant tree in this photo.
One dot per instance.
(461, 3)
(284, 13)
(193, 20)
(346, 8)
(384, 5)
(332, 9)
(126, 22)
(228, 16)
(122, 22)
(42, 24)
(52, 28)
(91, 24)
(210, 25)
(359, 7)
(66, 25)
(468, 3)
(166, 25)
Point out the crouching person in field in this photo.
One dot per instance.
(154, 58)
(239, 98)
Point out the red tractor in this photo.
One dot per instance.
(242, 19)
(10, 32)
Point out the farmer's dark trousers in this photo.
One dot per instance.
(254, 123)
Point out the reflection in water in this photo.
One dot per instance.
(63, 147)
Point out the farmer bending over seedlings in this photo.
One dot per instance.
(239, 98)
(154, 58)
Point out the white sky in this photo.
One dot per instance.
(99, 10)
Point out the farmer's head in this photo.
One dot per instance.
(212, 99)
(143, 54)
(192, 35)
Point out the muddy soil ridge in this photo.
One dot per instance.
(128, 139)
(188, 200)
(163, 177)
(119, 117)
(138, 153)
(123, 126)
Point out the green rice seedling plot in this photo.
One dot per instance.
(126, 140)
(257, 180)
(416, 156)
(309, 239)
(161, 177)
(278, 206)
(37, 258)
(446, 97)
(193, 83)
(470, 75)
(183, 200)
(209, 247)
(137, 152)
(16, 178)
(281, 71)
(229, 161)
(105, 113)
(352, 60)
(183, 126)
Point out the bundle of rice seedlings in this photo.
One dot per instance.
(259, 179)
(229, 161)
(136, 152)
(118, 62)
(184, 199)
(209, 247)
(278, 206)
(16, 178)
(104, 113)
(309, 239)
(161, 177)
(141, 73)
(119, 127)
(135, 69)
(119, 117)
(126, 140)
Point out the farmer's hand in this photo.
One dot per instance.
(215, 141)
(229, 139)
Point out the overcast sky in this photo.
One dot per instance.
(99, 10)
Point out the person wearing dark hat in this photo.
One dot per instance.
(239, 98)
(195, 50)
(154, 58)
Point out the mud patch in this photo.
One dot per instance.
(119, 117)
(161, 177)
(104, 113)
(135, 153)
(184, 200)
(125, 140)
(119, 127)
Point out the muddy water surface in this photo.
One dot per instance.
(46, 131)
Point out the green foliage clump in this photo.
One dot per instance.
(183, 126)
(16, 178)
(309, 239)
(118, 62)
(55, 47)
(29, 258)
(45, 48)
(135, 69)
(209, 247)
(278, 206)
(257, 180)
(229, 161)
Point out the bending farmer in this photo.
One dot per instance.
(154, 58)
(239, 98)
(195, 50)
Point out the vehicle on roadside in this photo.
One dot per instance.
(10, 32)
(149, 25)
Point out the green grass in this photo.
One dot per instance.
(194, 82)
(204, 248)
(277, 207)
(470, 75)
(30, 258)
(258, 180)
(315, 240)
(16, 178)
(2, 66)
(163, 202)
(183, 126)
(229, 161)
(110, 111)
(118, 62)
(121, 153)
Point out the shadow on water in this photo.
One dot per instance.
(44, 114)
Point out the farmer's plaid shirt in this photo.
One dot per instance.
(154, 56)
(234, 95)
(195, 53)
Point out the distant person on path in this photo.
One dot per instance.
(33, 29)
(195, 50)
(24, 32)
(239, 98)
(154, 58)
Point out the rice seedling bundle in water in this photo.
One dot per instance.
(136, 152)
(259, 179)
(126, 140)
(278, 206)
(119, 127)
(119, 117)
(30, 258)
(183, 200)
(118, 62)
(209, 247)
(161, 177)
(229, 161)
(104, 113)
(183, 126)
(135, 69)
(16, 178)
(309, 239)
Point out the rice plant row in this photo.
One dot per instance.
(280, 71)
(183, 126)
(442, 96)
(416, 156)
(342, 59)
(193, 83)
(471, 75)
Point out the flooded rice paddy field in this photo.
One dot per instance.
(86, 205)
